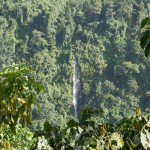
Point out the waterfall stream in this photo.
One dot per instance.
(76, 87)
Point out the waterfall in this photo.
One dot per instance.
(76, 88)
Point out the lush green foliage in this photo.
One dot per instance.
(23, 139)
(101, 34)
(132, 132)
(16, 96)
(104, 37)
(47, 36)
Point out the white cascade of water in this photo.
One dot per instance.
(76, 87)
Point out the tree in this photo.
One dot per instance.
(17, 96)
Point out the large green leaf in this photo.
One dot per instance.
(144, 39)
(116, 141)
(145, 136)
(144, 22)
(147, 49)
(17, 95)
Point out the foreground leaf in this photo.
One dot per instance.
(145, 136)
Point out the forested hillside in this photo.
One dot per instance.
(103, 36)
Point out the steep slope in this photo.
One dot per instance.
(104, 37)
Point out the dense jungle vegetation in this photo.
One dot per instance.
(47, 35)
